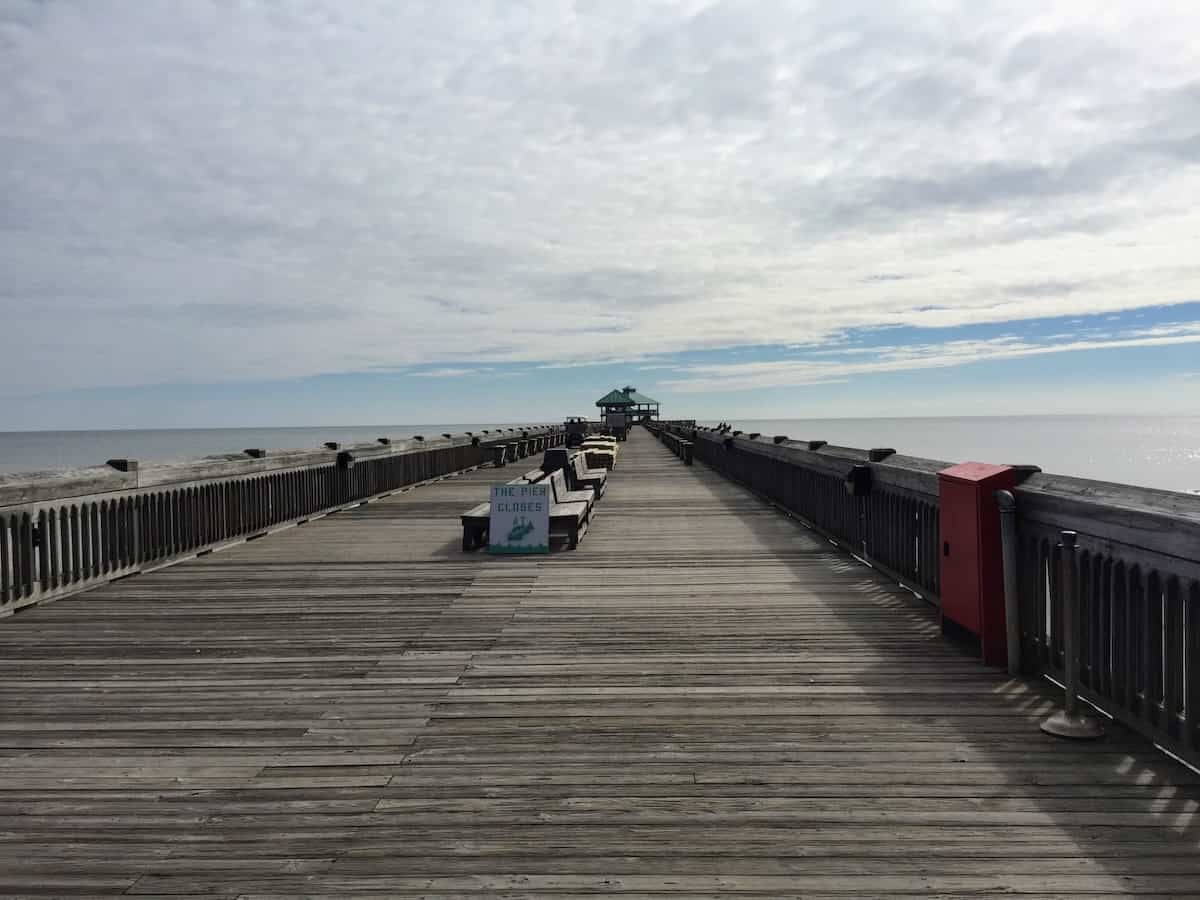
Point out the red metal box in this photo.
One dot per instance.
(972, 568)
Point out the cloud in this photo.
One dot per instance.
(885, 359)
(204, 191)
(448, 373)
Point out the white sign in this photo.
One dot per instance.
(520, 521)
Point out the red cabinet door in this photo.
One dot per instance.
(960, 554)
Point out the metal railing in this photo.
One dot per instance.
(61, 533)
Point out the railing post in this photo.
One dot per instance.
(135, 543)
(1070, 723)
(1008, 545)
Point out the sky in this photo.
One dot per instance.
(240, 212)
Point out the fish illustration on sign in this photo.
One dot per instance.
(520, 528)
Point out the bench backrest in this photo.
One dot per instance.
(555, 458)
(558, 484)
(603, 458)
(579, 464)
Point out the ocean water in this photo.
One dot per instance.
(29, 451)
(1152, 451)
(1149, 451)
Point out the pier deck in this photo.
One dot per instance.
(704, 699)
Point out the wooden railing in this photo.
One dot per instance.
(678, 445)
(893, 525)
(1136, 584)
(1136, 596)
(61, 533)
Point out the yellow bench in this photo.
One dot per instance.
(603, 443)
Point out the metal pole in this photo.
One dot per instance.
(1070, 723)
(1008, 544)
(1070, 626)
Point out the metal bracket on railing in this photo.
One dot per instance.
(858, 481)
(1070, 722)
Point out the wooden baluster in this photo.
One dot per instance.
(44, 575)
(1175, 640)
(51, 536)
(1123, 681)
(1152, 649)
(1135, 627)
(26, 575)
(1191, 661)
(1104, 624)
(6, 572)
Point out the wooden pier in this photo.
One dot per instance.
(704, 699)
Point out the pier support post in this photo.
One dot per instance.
(1007, 504)
(1070, 722)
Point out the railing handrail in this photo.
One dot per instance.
(1151, 509)
(910, 473)
(1150, 524)
(65, 532)
(24, 488)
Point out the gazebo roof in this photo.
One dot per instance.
(626, 396)
(641, 399)
(614, 398)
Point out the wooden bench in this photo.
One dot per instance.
(579, 476)
(570, 512)
(602, 444)
(596, 479)
(475, 521)
(599, 459)
(563, 493)
(569, 521)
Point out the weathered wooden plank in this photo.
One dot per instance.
(705, 699)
